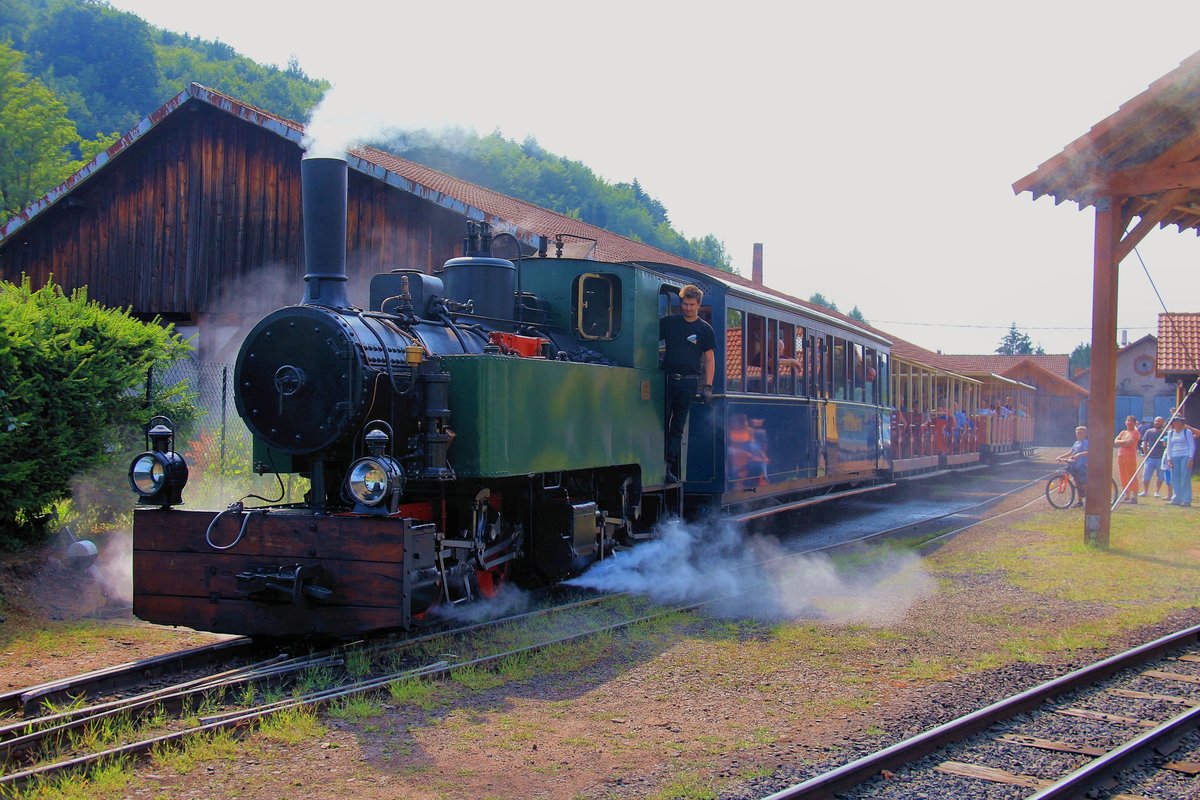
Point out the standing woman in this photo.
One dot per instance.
(1127, 454)
(1181, 450)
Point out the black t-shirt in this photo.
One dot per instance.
(1154, 442)
(686, 342)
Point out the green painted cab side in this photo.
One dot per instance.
(517, 416)
(636, 344)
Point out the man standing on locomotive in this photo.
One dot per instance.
(689, 363)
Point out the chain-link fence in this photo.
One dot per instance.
(217, 446)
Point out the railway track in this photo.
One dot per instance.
(77, 737)
(1069, 737)
(121, 677)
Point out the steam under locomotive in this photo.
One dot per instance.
(497, 420)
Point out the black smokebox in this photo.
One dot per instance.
(323, 193)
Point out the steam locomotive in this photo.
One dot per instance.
(500, 419)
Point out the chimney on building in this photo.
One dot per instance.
(1124, 338)
(757, 274)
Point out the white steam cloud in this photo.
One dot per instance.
(340, 121)
(507, 601)
(350, 115)
(754, 576)
(113, 569)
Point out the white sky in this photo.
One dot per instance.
(870, 146)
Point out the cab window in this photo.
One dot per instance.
(596, 298)
(668, 301)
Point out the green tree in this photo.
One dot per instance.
(818, 299)
(183, 59)
(858, 315)
(15, 17)
(1080, 358)
(99, 59)
(70, 378)
(37, 139)
(1015, 343)
(527, 171)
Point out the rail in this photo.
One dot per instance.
(903, 753)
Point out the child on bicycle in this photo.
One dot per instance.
(1076, 459)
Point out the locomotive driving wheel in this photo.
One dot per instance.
(489, 528)
(490, 582)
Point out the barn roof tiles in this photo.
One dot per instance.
(1178, 343)
(993, 362)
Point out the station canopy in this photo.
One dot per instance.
(1147, 154)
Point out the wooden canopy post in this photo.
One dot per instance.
(1097, 509)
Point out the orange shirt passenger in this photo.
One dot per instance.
(1127, 454)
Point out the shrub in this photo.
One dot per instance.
(72, 375)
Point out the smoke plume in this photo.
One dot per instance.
(755, 576)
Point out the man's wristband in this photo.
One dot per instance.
(708, 386)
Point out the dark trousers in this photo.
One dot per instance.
(681, 391)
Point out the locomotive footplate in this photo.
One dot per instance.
(294, 582)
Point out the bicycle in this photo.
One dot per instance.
(1062, 489)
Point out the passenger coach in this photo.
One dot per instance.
(801, 408)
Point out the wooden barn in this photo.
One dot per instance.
(195, 216)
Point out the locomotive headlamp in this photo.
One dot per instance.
(376, 481)
(159, 474)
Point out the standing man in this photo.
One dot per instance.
(1153, 444)
(689, 363)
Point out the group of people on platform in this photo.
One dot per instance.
(1168, 450)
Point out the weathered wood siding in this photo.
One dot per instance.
(205, 202)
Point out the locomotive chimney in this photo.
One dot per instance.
(757, 274)
(323, 192)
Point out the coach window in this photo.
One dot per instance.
(597, 301)
(885, 380)
(828, 386)
(787, 358)
(816, 355)
(872, 377)
(799, 356)
(772, 355)
(839, 368)
(756, 329)
(735, 358)
(857, 373)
